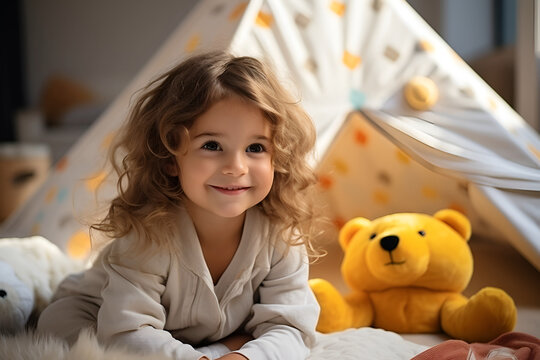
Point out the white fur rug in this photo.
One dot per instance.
(352, 344)
(29, 346)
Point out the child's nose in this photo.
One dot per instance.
(235, 164)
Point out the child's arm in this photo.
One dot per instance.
(131, 312)
(284, 319)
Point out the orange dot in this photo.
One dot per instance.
(107, 140)
(534, 150)
(360, 137)
(338, 8)
(402, 157)
(62, 164)
(96, 180)
(381, 197)
(79, 245)
(237, 11)
(51, 194)
(426, 45)
(264, 19)
(326, 181)
(193, 43)
(341, 166)
(350, 60)
(429, 192)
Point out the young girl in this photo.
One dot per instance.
(212, 225)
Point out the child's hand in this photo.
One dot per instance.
(236, 341)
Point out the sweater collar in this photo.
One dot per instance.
(191, 256)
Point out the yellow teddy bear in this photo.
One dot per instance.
(407, 272)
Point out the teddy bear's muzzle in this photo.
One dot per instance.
(389, 243)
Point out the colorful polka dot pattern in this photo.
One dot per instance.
(365, 173)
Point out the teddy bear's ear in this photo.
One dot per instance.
(456, 221)
(350, 228)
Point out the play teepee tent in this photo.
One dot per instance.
(403, 124)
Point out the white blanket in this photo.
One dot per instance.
(365, 343)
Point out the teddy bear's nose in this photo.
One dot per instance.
(389, 242)
(3, 293)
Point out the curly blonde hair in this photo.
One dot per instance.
(158, 125)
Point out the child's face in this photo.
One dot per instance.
(228, 165)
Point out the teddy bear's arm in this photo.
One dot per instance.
(361, 308)
(481, 318)
(338, 312)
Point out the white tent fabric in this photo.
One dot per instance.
(349, 62)
(504, 191)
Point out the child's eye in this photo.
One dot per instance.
(211, 146)
(256, 148)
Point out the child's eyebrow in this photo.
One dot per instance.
(216, 134)
(207, 134)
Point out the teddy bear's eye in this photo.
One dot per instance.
(422, 233)
(372, 236)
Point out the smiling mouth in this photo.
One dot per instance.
(230, 189)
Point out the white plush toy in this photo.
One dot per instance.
(30, 270)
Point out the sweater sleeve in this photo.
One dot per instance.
(283, 321)
(131, 313)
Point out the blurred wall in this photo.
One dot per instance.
(467, 26)
(100, 43)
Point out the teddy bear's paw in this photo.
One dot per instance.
(486, 315)
(498, 310)
(335, 313)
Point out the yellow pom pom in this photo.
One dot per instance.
(421, 93)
